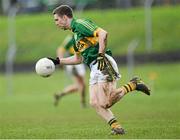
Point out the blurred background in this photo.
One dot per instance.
(28, 26)
(152, 24)
(144, 38)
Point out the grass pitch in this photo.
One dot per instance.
(29, 111)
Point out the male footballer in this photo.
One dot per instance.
(90, 48)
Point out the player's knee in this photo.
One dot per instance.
(105, 105)
(94, 104)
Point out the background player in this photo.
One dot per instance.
(77, 72)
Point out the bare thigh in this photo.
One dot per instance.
(101, 93)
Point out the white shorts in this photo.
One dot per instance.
(76, 69)
(96, 76)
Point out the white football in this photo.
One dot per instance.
(44, 67)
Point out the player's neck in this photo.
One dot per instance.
(69, 23)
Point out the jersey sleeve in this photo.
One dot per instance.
(86, 27)
(69, 43)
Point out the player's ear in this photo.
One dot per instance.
(64, 17)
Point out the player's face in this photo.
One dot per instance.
(61, 21)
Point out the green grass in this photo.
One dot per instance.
(29, 112)
(37, 36)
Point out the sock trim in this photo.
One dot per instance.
(113, 120)
(126, 88)
(130, 87)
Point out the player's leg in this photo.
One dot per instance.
(68, 90)
(80, 80)
(105, 99)
(94, 102)
(134, 84)
(73, 88)
(99, 97)
(99, 94)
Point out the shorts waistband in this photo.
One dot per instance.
(92, 63)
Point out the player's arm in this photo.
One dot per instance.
(102, 37)
(60, 52)
(72, 60)
(68, 41)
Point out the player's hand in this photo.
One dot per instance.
(55, 61)
(101, 61)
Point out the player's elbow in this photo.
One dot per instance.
(78, 60)
(103, 34)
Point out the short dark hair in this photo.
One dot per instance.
(63, 10)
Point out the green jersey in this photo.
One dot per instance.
(69, 44)
(67, 47)
(86, 39)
